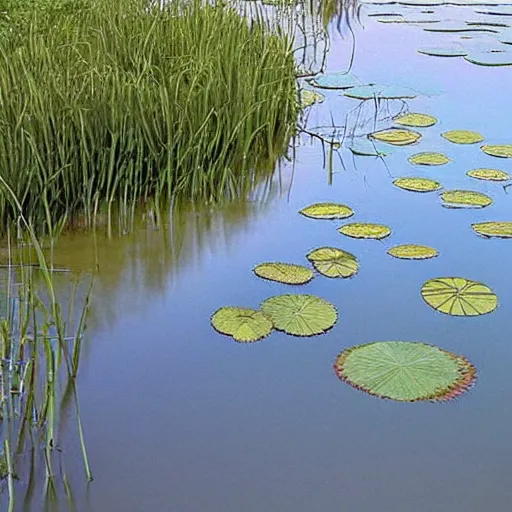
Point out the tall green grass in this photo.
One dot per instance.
(116, 102)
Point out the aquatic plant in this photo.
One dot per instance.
(365, 230)
(242, 324)
(489, 174)
(416, 120)
(458, 296)
(492, 229)
(119, 102)
(498, 150)
(396, 136)
(300, 315)
(463, 136)
(308, 98)
(338, 80)
(405, 371)
(413, 252)
(327, 211)
(465, 199)
(333, 262)
(417, 184)
(285, 273)
(429, 158)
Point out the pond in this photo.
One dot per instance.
(180, 417)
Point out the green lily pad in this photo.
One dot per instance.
(441, 51)
(380, 92)
(300, 315)
(413, 252)
(489, 174)
(327, 211)
(339, 80)
(243, 324)
(499, 150)
(396, 137)
(416, 120)
(308, 98)
(493, 229)
(465, 199)
(417, 184)
(365, 230)
(428, 159)
(405, 371)
(333, 262)
(483, 58)
(285, 273)
(458, 296)
(463, 137)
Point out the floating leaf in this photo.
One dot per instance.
(494, 229)
(309, 98)
(416, 120)
(455, 51)
(462, 137)
(454, 27)
(501, 151)
(405, 371)
(365, 230)
(489, 174)
(286, 273)
(429, 159)
(300, 315)
(413, 252)
(417, 184)
(339, 80)
(362, 146)
(380, 92)
(396, 137)
(457, 296)
(243, 324)
(484, 58)
(465, 199)
(327, 211)
(332, 262)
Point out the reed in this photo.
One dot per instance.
(118, 102)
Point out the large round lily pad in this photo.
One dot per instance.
(405, 371)
(465, 199)
(333, 262)
(483, 58)
(381, 92)
(327, 211)
(308, 98)
(441, 51)
(339, 80)
(300, 315)
(365, 230)
(489, 174)
(458, 296)
(463, 136)
(396, 137)
(494, 229)
(417, 184)
(428, 158)
(286, 273)
(362, 146)
(498, 150)
(413, 252)
(243, 324)
(416, 120)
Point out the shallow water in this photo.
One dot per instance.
(178, 417)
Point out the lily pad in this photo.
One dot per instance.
(286, 273)
(308, 98)
(365, 230)
(458, 296)
(417, 184)
(396, 137)
(413, 252)
(489, 174)
(500, 151)
(339, 80)
(463, 137)
(327, 211)
(361, 146)
(441, 51)
(416, 120)
(465, 199)
(493, 229)
(405, 371)
(300, 315)
(333, 262)
(455, 28)
(243, 324)
(381, 92)
(429, 159)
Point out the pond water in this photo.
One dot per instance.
(179, 417)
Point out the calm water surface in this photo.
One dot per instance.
(180, 418)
